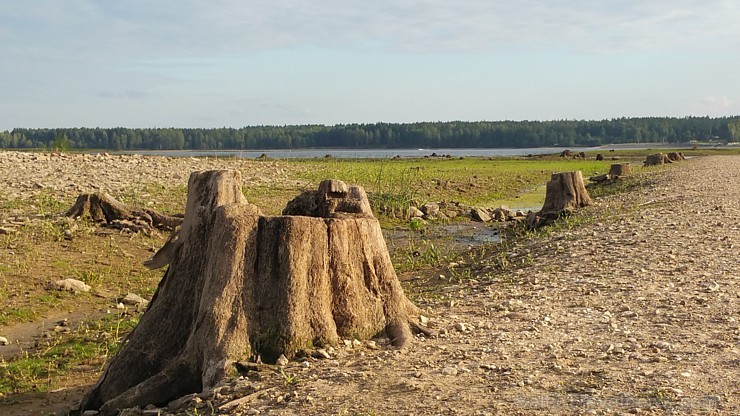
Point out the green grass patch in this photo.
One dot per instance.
(90, 344)
(475, 181)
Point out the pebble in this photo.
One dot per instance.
(461, 327)
(305, 364)
(4, 341)
(282, 361)
(449, 371)
(134, 300)
(712, 287)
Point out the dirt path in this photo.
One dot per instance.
(636, 313)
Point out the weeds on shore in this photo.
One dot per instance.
(88, 346)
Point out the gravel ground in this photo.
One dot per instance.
(25, 174)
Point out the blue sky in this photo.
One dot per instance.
(186, 63)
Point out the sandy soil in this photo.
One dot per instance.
(635, 312)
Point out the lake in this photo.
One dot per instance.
(357, 153)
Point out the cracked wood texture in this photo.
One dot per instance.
(240, 284)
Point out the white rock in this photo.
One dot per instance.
(305, 364)
(4, 341)
(282, 361)
(134, 299)
(72, 285)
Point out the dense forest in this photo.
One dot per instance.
(456, 134)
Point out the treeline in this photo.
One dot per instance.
(456, 134)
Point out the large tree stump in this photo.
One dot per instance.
(103, 208)
(564, 193)
(240, 285)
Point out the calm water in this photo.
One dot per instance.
(358, 153)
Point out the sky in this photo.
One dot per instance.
(235, 63)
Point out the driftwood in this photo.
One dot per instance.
(103, 208)
(565, 192)
(242, 285)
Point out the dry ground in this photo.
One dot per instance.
(632, 310)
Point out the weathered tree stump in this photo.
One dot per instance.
(656, 159)
(620, 169)
(241, 285)
(564, 193)
(103, 208)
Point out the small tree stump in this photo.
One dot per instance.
(675, 156)
(656, 159)
(241, 284)
(620, 169)
(565, 192)
(103, 208)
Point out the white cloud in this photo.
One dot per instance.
(148, 29)
(714, 105)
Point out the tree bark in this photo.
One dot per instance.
(241, 285)
(103, 208)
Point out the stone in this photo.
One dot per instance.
(71, 285)
(305, 364)
(449, 371)
(282, 361)
(430, 209)
(134, 300)
(414, 212)
(4, 341)
(461, 327)
(479, 214)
